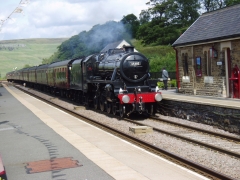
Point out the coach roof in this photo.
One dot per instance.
(212, 26)
(61, 63)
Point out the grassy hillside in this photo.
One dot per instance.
(18, 53)
(159, 56)
(152, 50)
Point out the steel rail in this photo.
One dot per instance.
(237, 139)
(231, 153)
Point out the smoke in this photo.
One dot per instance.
(101, 35)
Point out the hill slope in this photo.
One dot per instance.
(159, 56)
(18, 53)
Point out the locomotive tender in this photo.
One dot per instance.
(116, 81)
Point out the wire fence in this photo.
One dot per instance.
(156, 75)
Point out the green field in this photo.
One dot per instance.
(18, 53)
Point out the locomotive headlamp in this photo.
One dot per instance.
(158, 97)
(125, 99)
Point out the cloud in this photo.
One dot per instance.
(63, 18)
(49, 14)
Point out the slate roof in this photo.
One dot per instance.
(114, 45)
(111, 46)
(216, 25)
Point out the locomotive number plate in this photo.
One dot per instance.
(135, 63)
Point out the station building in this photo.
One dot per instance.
(208, 55)
(117, 45)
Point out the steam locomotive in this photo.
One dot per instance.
(116, 81)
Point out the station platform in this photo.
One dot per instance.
(204, 100)
(38, 141)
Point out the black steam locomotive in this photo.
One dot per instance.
(116, 81)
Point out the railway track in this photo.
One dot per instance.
(206, 171)
(200, 137)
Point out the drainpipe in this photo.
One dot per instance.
(177, 70)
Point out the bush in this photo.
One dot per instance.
(160, 84)
(173, 83)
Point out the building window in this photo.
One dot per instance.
(185, 64)
(208, 63)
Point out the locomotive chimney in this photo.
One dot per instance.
(129, 49)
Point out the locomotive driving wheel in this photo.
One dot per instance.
(122, 111)
(102, 103)
(96, 102)
(88, 101)
(114, 108)
(152, 110)
(62, 94)
(109, 107)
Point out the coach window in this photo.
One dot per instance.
(185, 64)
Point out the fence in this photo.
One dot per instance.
(156, 75)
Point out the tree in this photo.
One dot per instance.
(52, 58)
(131, 24)
(27, 66)
(231, 2)
(187, 12)
(211, 5)
(144, 17)
(159, 62)
(166, 20)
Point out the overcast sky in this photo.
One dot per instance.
(61, 18)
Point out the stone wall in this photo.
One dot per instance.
(235, 53)
(222, 118)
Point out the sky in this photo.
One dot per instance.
(60, 18)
